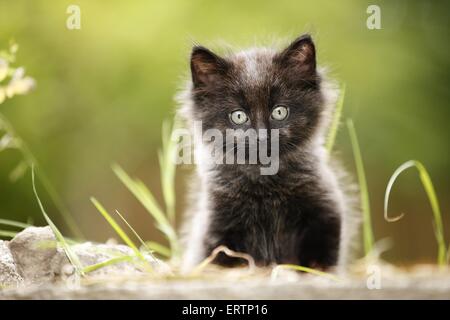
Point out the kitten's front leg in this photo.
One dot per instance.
(320, 241)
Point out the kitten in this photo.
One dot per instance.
(295, 216)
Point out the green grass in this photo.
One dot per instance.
(165, 216)
(118, 229)
(164, 219)
(364, 192)
(431, 194)
(144, 245)
(332, 133)
(7, 233)
(143, 194)
(107, 263)
(159, 249)
(322, 274)
(13, 223)
(73, 258)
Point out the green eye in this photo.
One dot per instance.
(280, 113)
(238, 117)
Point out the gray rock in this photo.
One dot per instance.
(33, 250)
(37, 258)
(9, 276)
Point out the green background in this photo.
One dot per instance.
(103, 92)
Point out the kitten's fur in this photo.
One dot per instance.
(297, 216)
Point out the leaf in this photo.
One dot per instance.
(107, 263)
(73, 258)
(364, 192)
(132, 230)
(13, 223)
(141, 192)
(7, 234)
(158, 248)
(117, 229)
(432, 198)
(304, 269)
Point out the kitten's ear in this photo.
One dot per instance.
(300, 55)
(206, 67)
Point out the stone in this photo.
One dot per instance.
(9, 275)
(38, 258)
(33, 250)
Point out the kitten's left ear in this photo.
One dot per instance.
(300, 55)
(206, 67)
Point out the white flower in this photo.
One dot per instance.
(18, 74)
(19, 84)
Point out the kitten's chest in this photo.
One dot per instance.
(258, 203)
(263, 223)
(258, 208)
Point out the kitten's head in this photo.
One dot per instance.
(260, 89)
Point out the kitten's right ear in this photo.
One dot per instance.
(300, 56)
(206, 67)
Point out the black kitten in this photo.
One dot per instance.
(295, 216)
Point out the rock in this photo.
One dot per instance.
(37, 258)
(9, 275)
(91, 254)
(33, 250)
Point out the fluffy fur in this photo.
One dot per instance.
(300, 215)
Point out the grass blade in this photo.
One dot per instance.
(107, 263)
(364, 192)
(158, 248)
(141, 192)
(73, 258)
(431, 194)
(13, 223)
(336, 120)
(132, 230)
(7, 233)
(304, 269)
(117, 229)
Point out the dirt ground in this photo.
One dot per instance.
(32, 266)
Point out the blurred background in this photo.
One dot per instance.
(103, 92)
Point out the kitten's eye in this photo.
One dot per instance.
(280, 113)
(238, 117)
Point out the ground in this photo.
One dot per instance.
(33, 267)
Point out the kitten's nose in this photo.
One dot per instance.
(260, 125)
(261, 130)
